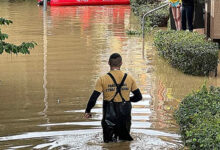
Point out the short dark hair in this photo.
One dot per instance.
(115, 60)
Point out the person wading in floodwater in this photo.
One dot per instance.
(116, 87)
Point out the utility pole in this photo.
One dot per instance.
(45, 111)
(45, 5)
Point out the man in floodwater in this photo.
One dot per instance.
(116, 87)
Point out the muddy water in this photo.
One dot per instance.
(43, 95)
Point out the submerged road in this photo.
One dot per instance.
(43, 95)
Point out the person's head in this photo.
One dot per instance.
(115, 60)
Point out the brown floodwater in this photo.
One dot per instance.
(43, 95)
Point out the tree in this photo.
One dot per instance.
(23, 48)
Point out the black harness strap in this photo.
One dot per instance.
(118, 86)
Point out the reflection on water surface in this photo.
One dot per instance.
(43, 95)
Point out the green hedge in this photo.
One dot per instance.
(187, 51)
(141, 2)
(158, 18)
(199, 118)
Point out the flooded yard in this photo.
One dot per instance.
(43, 95)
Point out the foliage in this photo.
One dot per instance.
(158, 18)
(11, 48)
(199, 118)
(133, 32)
(202, 1)
(187, 51)
(143, 2)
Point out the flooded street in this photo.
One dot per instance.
(43, 95)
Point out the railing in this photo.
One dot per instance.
(143, 20)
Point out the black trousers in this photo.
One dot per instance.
(187, 16)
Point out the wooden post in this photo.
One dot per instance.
(199, 21)
(212, 21)
(207, 18)
(215, 19)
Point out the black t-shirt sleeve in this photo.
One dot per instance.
(137, 96)
(92, 101)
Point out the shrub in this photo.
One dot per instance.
(11, 48)
(141, 2)
(199, 118)
(158, 18)
(189, 52)
(133, 32)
